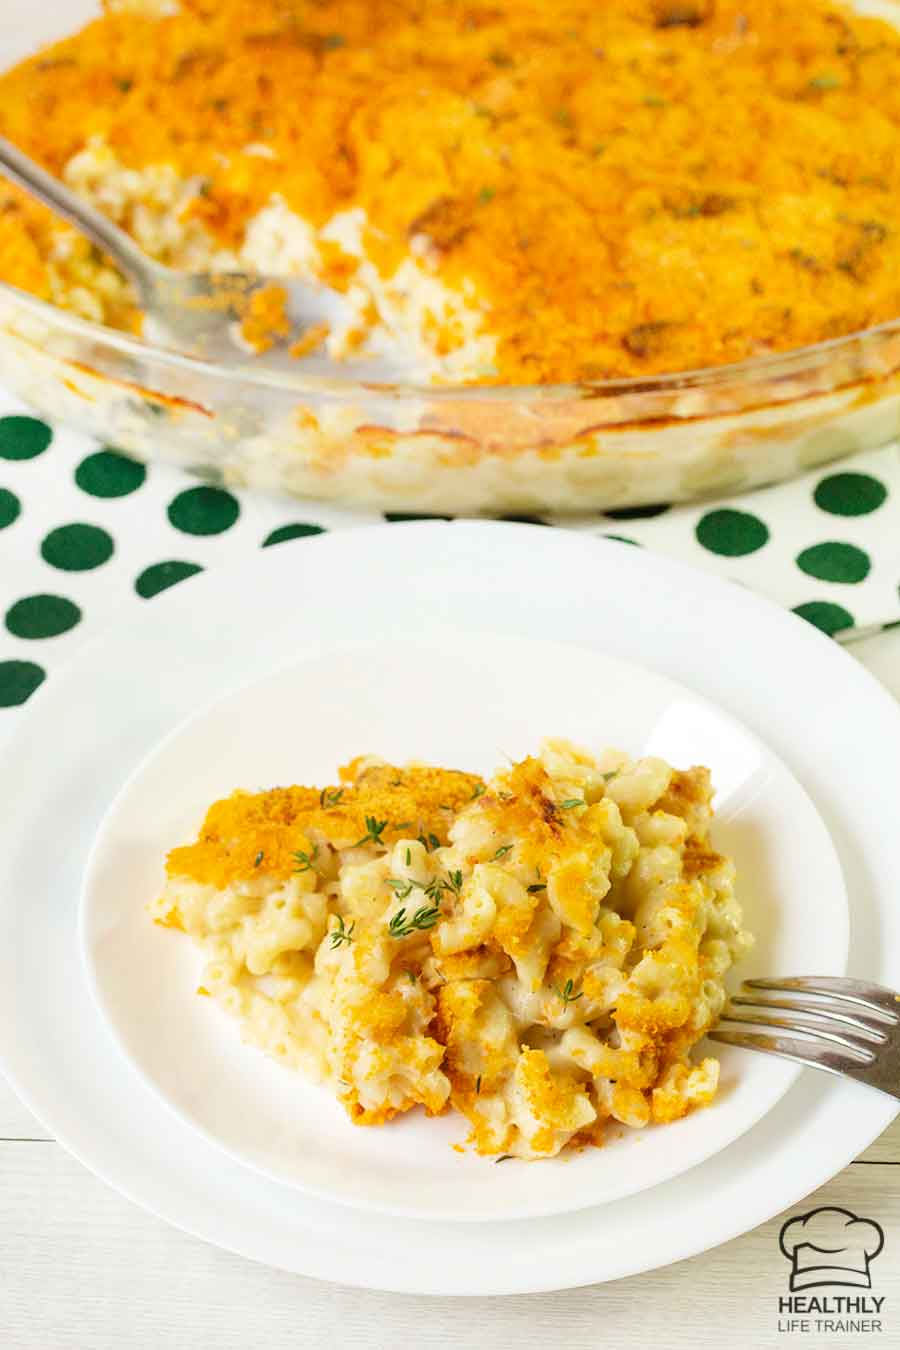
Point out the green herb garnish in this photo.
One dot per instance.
(572, 803)
(403, 886)
(454, 882)
(341, 934)
(330, 797)
(374, 830)
(305, 860)
(258, 859)
(426, 917)
(566, 994)
(502, 852)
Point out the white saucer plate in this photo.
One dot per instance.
(465, 700)
(826, 720)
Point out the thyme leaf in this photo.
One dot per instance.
(402, 887)
(341, 934)
(374, 830)
(566, 994)
(424, 918)
(305, 860)
(454, 882)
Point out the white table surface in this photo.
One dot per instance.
(83, 1269)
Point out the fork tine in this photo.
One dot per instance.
(810, 1026)
(804, 1052)
(824, 1017)
(872, 996)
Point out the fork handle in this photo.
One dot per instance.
(91, 222)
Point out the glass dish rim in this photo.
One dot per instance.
(772, 365)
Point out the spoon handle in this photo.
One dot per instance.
(98, 227)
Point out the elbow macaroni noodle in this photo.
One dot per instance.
(541, 952)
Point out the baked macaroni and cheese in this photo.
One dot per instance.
(541, 951)
(530, 192)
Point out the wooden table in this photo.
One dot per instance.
(83, 1269)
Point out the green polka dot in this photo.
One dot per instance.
(162, 575)
(850, 494)
(731, 534)
(18, 681)
(829, 618)
(399, 517)
(203, 510)
(10, 508)
(42, 616)
(109, 474)
(622, 539)
(77, 548)
(638, 512)
(23, 437)
(843, 563)
(524, 520)
(285, 532)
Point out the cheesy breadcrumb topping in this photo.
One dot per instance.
(541, 951)
(610, 189)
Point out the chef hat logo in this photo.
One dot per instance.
(830, 1246)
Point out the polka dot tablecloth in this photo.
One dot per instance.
(83, 530)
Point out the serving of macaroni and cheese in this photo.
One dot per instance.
(541, 951)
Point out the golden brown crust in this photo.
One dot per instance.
(630, 188)
(247, 832)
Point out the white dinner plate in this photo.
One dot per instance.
(84, 734)
(463, 700)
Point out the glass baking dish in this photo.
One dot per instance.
(466, 450)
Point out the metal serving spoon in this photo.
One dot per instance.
(194, 312)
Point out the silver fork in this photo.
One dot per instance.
(192, 311)
(845, 1026)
